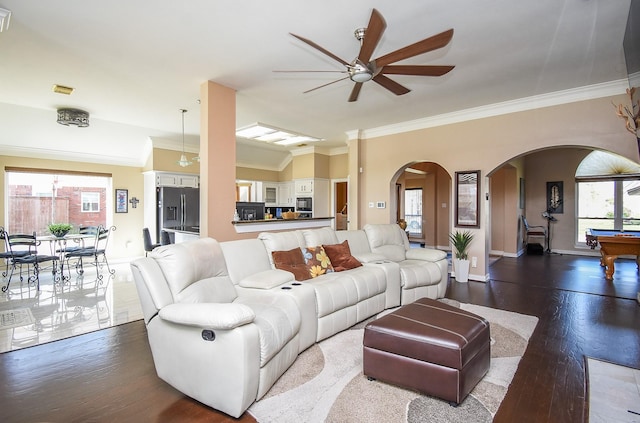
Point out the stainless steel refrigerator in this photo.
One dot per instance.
(178, 208)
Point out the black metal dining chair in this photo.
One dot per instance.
(97, 251)
(24, 251)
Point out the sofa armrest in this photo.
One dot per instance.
(223, 316)
(267, 279)
(426, 254)
(369, 257)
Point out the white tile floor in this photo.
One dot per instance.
(79, 305)
(614, 393)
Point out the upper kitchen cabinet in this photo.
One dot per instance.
(270, 193)
(304, 187)
(286, 197)
(177, 180)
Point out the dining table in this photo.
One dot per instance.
(60, 245)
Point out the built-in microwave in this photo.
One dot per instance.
(304, 204)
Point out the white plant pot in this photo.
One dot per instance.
(461, 270)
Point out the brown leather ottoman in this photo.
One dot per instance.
(429, 346)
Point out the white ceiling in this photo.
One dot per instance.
(135, 63)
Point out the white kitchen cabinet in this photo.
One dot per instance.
(286, 197)
(304, 187)
(270, 193)
(177, 180)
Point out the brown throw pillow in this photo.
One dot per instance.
(291, 261)
(340, 256)
(317, 261)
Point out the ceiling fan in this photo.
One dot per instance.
(363, 69)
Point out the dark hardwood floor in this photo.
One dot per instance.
(108, 375)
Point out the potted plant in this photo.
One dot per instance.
(59, 229)
(461, 242)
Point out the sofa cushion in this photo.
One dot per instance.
(278, 320)
(387, 240)
(340, 256)
(188, 262)
(320, 236)
(292, 261)
(209, 290)
(281, 241)
(317, 261)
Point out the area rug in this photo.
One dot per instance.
(15, 318)
(326, 384)
(614, 392)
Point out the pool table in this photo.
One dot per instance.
(613, 244)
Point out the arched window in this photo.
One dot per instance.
(608, 193)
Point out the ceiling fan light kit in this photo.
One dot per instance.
(363, 69)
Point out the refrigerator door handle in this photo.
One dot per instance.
(183, 209)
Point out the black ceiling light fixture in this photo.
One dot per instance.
(73, 117)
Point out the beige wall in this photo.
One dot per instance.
(486, 144)
(166, 160)
(249, 174)
(339, 166)
(303, 166)
(549, 166)
(126, 240)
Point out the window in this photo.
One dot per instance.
(608, 191)
(413, 211)
(35, 198)
(90, 202)
(608, 205)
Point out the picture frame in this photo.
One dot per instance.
(522, 194)
(555, 197)
(467, 199)
(122, 200)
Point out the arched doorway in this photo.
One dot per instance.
(422, 197)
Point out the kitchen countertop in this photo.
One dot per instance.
(183, 229)
(243, 226)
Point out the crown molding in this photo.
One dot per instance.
(70, 156)
(590, 92)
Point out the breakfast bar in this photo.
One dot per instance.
(265, 225)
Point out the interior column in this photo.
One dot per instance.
(217, 161)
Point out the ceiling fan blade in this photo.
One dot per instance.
(355, 92)
(372, 36)
(420, 70)
(428, 44)
(391, 85)
(305, 71)
(323, 50)
(324, 85)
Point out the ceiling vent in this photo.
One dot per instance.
(61, 89)
(73, 117)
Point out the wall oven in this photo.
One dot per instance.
(304, 204)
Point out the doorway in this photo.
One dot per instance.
(340, 208)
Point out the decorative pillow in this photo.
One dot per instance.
(340, 256)
(291, 261)
(317, 261)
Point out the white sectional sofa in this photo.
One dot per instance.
(224, 323)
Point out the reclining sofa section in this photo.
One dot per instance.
(224, 323)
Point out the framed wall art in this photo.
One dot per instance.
(555, 197)
(468, 199)
(122, 201)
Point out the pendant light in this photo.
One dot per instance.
(183, 162)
